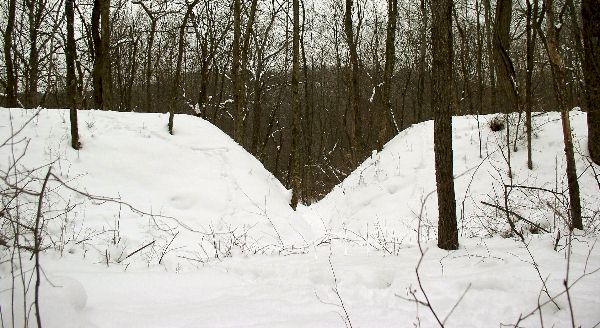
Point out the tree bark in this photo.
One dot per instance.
(442, 89)
(101, 41)
(504, 67)
(591, 68)
(72, 90)
(559, 82)
(105, 28)
(295, 160)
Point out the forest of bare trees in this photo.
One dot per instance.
(309, 87)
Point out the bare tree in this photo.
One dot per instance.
(505, 70)
(442, 89)
(239, 65)
(388, 72)
(177, 92)
(35, 13)
(531, 18)
(154, 16)
(101, 42)
(295, 175)
(559, 82)
(355, 118)
(70, 55)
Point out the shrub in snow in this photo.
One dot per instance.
(497, 123)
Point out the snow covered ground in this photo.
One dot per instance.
(226, 250)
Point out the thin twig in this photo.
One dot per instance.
(138, 250)
(337, 293)
(38, 240)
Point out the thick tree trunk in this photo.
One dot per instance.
(591, 40)
(72, 90)
(11, 79)
(101, 39)
(105, 28)
(504, 67)
(295, 160)
(442, 89)
(558, 76)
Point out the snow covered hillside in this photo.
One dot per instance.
(190, 230)
(204, 188)
(385, 197)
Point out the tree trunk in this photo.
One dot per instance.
(149, 68)
(591, 69)
(308, 118)
(422, 65)
(176, 93)
(35, 11)
(295, 180)
(531, 17)
(99, 74)
(105, 44)
(558, 77)
(72, 90)
(487, 12)
(479, 73)
(388, 72)
(11, 79)
(355, 115)
(238, 115)
(149, 104)
(442, 89)
(504, 67)
(132, 72)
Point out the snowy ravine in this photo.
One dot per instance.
(226, 250)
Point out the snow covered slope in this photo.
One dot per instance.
(215, 198)
(218, 205)
(383, 199)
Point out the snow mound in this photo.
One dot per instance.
(209, 197)
(381, 201)
(68, 290)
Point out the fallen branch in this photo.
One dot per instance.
(138, 250)
(517, 215)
